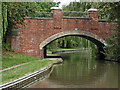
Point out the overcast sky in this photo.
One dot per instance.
(64, 2)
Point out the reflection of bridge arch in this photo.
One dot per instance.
(90, 36)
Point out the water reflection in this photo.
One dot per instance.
(81, 70)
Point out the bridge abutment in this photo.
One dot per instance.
(100, 54)
(42, 53)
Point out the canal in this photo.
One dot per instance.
(81, 70)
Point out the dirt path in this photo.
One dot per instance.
(13, 67)
(28, 63)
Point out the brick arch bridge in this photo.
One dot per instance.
(38, 32)
(88, 35)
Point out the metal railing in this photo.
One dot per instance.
(44, 14)
(64, 14)
(74, 14)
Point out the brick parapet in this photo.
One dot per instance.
(38, 30)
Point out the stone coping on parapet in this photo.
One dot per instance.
(63, 18)
(92, 10)
(56, 8)
(84, 18)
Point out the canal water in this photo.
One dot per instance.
(81, 70)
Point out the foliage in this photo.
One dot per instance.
(14, 13)
(74, 14)
(109, 9)
(71, 42)
(45, 6)
(77, 6)
(112, 11)
(6, 47)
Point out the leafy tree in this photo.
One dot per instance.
(109, 11)
(0, 22)
(77, 6)
(112, 12)
(14, 12)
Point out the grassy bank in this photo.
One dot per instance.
(23, 70)
(11, 58)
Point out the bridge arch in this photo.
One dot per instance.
(88, 35)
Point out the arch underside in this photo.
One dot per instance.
(88, 35)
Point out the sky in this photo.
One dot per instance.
(64, 2)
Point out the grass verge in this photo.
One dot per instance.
(15, 73)
(12, 58)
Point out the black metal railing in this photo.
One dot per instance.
(74, 14)
(64, 14)
(44, 14)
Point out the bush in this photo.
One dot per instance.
(7, 47)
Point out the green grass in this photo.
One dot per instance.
(23, 70)
(10, 59)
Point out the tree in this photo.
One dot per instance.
(14, 12)
(111, 11)
(0, 22)
(77, 6)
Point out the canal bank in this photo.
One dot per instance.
(80, 70)
(55, 53)
(17, 68)
(30, 79)
(69, 51)
(36, 76)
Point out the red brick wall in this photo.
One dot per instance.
(71, 24)
(37, 30)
